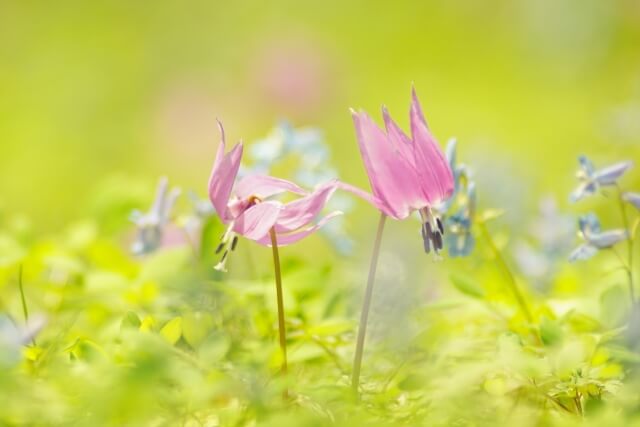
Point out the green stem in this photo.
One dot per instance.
(511, 280)
(625, 222)
(364, 315)
(281, 325)
(25, 311)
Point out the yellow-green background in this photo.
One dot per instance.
(92, 89)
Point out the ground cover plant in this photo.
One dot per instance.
(160, 333)
(285, 213)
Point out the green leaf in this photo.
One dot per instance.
(467, 285)
(550, 331)
(172, 330)
(196, 326)
(130, 321)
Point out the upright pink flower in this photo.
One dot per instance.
(406, 173)
(248, 209)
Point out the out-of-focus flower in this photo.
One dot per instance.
(633, 198)
(13, 337)
(151, 224)
(406, 174)
(591, 179)
(459, 237)
(459, 209)
(551, 235)
(595, 239)
(248, 210)
(313, 167)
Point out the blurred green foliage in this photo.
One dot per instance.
(99, 98)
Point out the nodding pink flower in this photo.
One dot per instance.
(247, 207)
(407, 174)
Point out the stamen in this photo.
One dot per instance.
(440, 226)
(221, 246)
(224, 240)
(427, 236)
(222, 265)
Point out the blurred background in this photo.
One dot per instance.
(105, 96)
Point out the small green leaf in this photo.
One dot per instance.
(467, 285)
(550, 331)
(130, 321)
(172, 330)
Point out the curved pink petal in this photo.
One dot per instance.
(435, 174)
(264, 186)
(302, 211)
(287, 239)
(390, 175)
(222, 178)
(255, 222)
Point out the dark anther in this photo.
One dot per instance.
(437, 241)
(440, 226)
(224, 255)
(427, 236)
(220, 247)
(234, 243)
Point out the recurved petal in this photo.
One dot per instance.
(255, 222)
(221, 180)
(607, 239)
(287, 239)
(431, 165)
(264, 186)
(633, 198)
(610, 174)
(391, 176)
(302, 211)
(583, 252)
(586, 188)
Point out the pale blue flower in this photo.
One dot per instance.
(13, 337)
(151, 225)
(595, 239)
(633, 198)
(458, 235)
(591, 179)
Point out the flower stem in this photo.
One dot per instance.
(25, 311)
(281, 325)
(511, 280)
(625, 222)
(364, 315)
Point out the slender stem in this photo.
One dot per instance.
(25, 311)
(364, 315)
(281, 326)
(513, 285)
(625, 222)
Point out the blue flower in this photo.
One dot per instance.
(458, 236)
(151, 224)
(633, 198)
(14, 336)
(595, 239)
(591, 179)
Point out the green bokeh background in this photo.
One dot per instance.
(93, 89)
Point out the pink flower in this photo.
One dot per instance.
(406, 174)
(248, 209)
